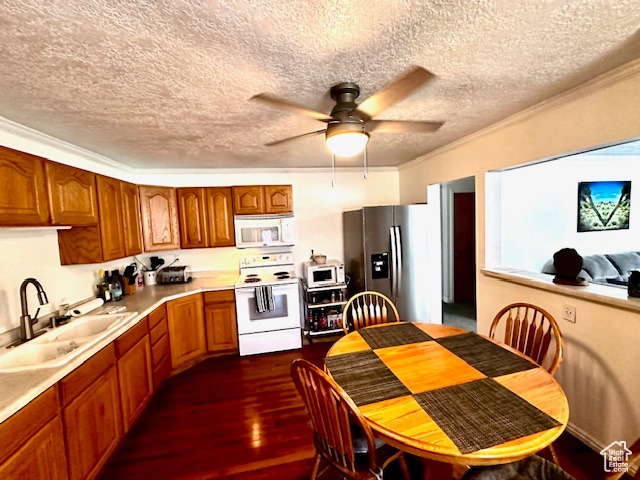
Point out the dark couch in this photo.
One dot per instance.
(608, 268)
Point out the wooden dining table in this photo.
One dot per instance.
(449, 395)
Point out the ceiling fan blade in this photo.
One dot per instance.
(278, 142)
(402, 126)
(394, 92)
(284, 104)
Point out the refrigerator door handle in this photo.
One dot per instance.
(394, 273)
(399, 262)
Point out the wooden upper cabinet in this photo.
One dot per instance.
(159, 218)
(111, 223)
(131, 219)
(220, 215)
(248, 200)
(73, 195)
(193, 217)
(261, 199)
(278, 199)
(24, 198)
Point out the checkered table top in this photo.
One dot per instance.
(448, 394)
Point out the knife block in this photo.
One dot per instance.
(128, 289)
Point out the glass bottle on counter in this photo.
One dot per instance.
(116, 286)
(103, 287)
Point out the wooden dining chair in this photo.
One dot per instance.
(531, 468)
(633, 461)
(339, 429)
(368, 308)
(529, 329)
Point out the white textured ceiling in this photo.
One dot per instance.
(157, 84)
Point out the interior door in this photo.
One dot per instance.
(464, 247)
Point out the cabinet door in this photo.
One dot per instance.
(93, 426)
(186, 328)
(248, 200)
(220, 321)
(42, 456)
(24, 198)
(193, 217)
(220, 215)
(159, 218)
(136, 381)
(131, 219)
(278, 199)
(72, 195)
(111, 223)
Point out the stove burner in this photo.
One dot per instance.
(277, 274)
(251, 280)
(252, 275)
(282, 277)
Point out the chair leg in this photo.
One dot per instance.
(553, 454)
(314, 472)
(404, 468)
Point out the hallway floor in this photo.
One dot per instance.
(460, 314)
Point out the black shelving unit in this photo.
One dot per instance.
(329, 300)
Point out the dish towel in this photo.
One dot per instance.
(264, 299)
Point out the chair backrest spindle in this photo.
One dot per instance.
(368, 308)
(529, 329)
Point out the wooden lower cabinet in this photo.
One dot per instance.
(136, 381)
(42, 456)
(93, 426)
(31, 441)
(186, 329)
(220, 321)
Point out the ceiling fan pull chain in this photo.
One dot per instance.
(333, 169)
(365, 163)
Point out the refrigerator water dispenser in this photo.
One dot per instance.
(380, 265)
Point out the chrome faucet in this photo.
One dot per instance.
(26, 322)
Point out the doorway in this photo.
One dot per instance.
(458, 253)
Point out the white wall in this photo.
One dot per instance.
(318, 211)
(599, 373)
(540, 205)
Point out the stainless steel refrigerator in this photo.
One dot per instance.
(386, 251)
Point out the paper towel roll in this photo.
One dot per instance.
(86, 307)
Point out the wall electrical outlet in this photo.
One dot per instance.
(569, 313)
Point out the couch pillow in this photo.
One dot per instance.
(599, 267)
(624, 262)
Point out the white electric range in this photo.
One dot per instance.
(277, 329)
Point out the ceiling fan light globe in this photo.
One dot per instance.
(347, 144)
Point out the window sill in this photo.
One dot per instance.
(603, 294)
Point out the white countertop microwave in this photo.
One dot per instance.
(264, 230)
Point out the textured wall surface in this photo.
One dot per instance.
(166, 83)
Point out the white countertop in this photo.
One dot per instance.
(19, 388)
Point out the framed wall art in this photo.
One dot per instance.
(603, 205)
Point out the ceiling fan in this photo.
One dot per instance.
(349, 124)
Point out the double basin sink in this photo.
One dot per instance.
(61, 345)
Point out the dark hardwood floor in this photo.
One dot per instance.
(241, 419)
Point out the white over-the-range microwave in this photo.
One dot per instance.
(263, 230)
